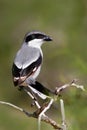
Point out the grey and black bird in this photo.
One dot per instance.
(27, 63)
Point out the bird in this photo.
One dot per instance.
(27, 64)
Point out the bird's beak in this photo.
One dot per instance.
(47, 38)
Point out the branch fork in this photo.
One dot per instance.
(40, 109)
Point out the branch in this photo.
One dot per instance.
(35, 115)
(44, 117)
(63, 114)
(71, 84)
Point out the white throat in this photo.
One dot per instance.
(35, 43)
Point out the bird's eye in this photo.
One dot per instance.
(34, 36)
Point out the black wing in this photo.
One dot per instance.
(20, 75)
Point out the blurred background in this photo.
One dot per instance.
(64, 59)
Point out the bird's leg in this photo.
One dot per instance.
(41, 109)
(47, 107)
(31, 94)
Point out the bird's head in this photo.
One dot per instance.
(36, 38)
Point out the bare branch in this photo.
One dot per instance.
(63, 114)
(71, 84)
(35, 115)
(43, 112)
(44, 107)
(12, 105)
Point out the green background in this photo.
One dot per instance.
(64, 59)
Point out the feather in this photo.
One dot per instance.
(26, 63)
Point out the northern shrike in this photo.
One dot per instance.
(27, 63)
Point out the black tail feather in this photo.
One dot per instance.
(38, 86)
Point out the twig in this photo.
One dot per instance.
(40, 108)
(43, 112)
(35, 115)
(12, 105)
(63, 114)
(71, 84)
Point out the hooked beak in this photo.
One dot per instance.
(47, 38)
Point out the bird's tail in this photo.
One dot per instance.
(41, 88)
